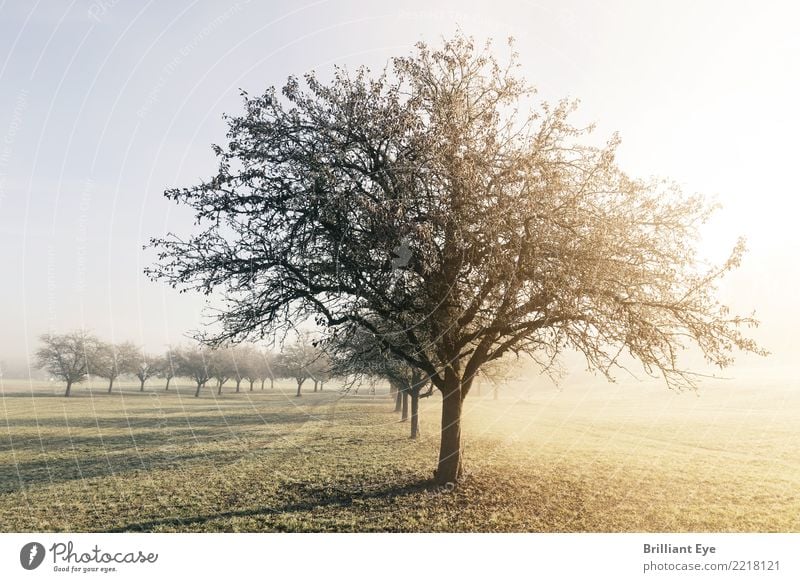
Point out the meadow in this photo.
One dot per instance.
(588, 456)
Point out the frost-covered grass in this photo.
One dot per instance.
(599, 458)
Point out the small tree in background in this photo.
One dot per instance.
(248, 362)
(221, 366)
(68, 356)
(144, 367)
(113, 360)
(238, 365)
(499, 373)
(167, 365)
(298, 359)
(193, 362)
(320, 369)
(268, 367)
(362, 355)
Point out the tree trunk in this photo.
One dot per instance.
(197, 392)
(110, 384)
(262, 383)
(168, 379)
(141, 385)
(398, 400)
(69, 388)
(449, 468)
(316, 385)
(299, 385)
(238, 384)
(271, 383)
(414, 412)
(404, 413)
(321, 384)
(219, 387)
(251, 384)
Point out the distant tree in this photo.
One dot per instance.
(144, 367)
(67, 356)
(167, 365)
(238, 365)
(247, 364)
(298, 359)
(400, 400)
(361, 354)
(441, 199)
(268, 368)
(320, 370)
(254, 365)
(248, 361)
(397, 396)
(222, 366)
(193, 362)
(499, 373)
(113, 360)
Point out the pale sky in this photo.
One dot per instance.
(105, 104)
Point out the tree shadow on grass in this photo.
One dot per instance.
(90, 456)
(87, 447)
(224, 418)
(24, 475)
(312, 497)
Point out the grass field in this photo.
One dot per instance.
(583, 458)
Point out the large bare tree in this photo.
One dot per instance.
(440, 198)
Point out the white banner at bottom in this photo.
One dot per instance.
(390, 557)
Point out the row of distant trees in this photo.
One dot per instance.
(75, 356)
